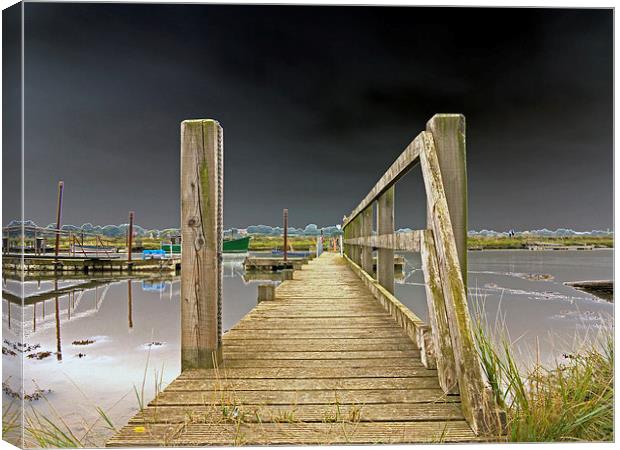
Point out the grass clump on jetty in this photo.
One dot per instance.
(570, 401)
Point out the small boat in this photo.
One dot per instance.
(240, 245)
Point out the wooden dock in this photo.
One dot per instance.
(86, 264)
(324, 363)
(330, 356)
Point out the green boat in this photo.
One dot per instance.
(240, 245)
(231, 246)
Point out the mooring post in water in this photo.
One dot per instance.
(129, 239)
(448, 132)
(201, 253)
(285, 220)
(58, 218)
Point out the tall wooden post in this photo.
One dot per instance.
(58, 217)
(129, 239)
(285, 220)
(448, 132)
(201, 244)
(385, 225)
(366, 230)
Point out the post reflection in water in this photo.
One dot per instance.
(129, 305)
(57, 307)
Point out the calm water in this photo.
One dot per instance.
(134, 324)
(543, 318)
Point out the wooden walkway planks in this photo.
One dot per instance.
(321, 364)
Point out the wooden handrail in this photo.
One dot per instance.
(407, 241)
(405, 162)
(449, 341)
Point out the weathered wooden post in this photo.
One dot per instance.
(58, 218)
(201, 243)
(448, 132)
(266, 292)
(129, 239)
(385, 225)
(477, 399)
(366, 231)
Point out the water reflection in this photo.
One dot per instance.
(88, 341)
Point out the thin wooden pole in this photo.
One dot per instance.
(58, 218)
(129, 239)
(201, 228)
(448, 132)
(385, 225)
(285, 220)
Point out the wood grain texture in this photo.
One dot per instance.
(478, 404)
(320, 363)
(408, 241)
(448, 131)
(438, 319)
(201, 275)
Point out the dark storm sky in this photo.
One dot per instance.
(316, 102)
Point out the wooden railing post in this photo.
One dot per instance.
(385, 225)
(354, 235)
(448, 132)
(366, 230)
(477, 399)
(201, 230)
(437, 317)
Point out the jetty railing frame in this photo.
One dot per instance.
(448, 344)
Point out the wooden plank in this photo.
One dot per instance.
(300, 397)
(295, 373)
(408, 241)
(385, 227)
(345, 432)
(309, 363)
(343, 333)
(438, 319)
(407, 160)
(448, 132)
(324, 355)
(406, 412)
(201, 219)
(316, 345)
(307, 384)
(478, 401)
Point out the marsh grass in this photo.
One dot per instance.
(571, 400)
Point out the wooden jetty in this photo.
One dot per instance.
(86, 265)
(321, 363)
(331, 356)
